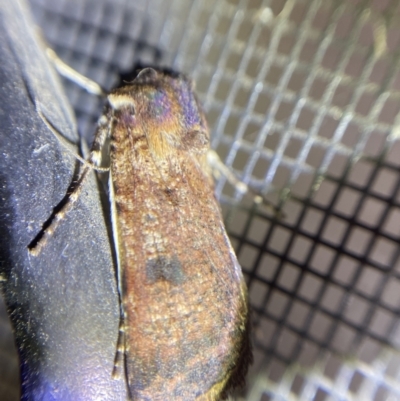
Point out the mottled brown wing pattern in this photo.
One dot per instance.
(183, 294)
(184, 311)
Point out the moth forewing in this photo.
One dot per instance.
(183, 296)
(184, 332)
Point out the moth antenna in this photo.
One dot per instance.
(65, 143)
(36, 246)
(119, 352)
(120, 369)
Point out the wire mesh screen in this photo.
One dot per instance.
(302, 97)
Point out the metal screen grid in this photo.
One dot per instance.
(293, 115)
(302, 97)
(331, 379)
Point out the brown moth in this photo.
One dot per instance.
(185, 318)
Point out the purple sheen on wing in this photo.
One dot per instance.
(189, 105)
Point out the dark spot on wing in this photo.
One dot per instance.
(164, 268)
(171, 196)
(150, 218)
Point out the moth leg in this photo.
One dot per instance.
(218, 168)
(68, 72)
(74, 191)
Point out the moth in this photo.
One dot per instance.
(185, 317)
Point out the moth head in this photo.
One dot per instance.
(165, 108)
